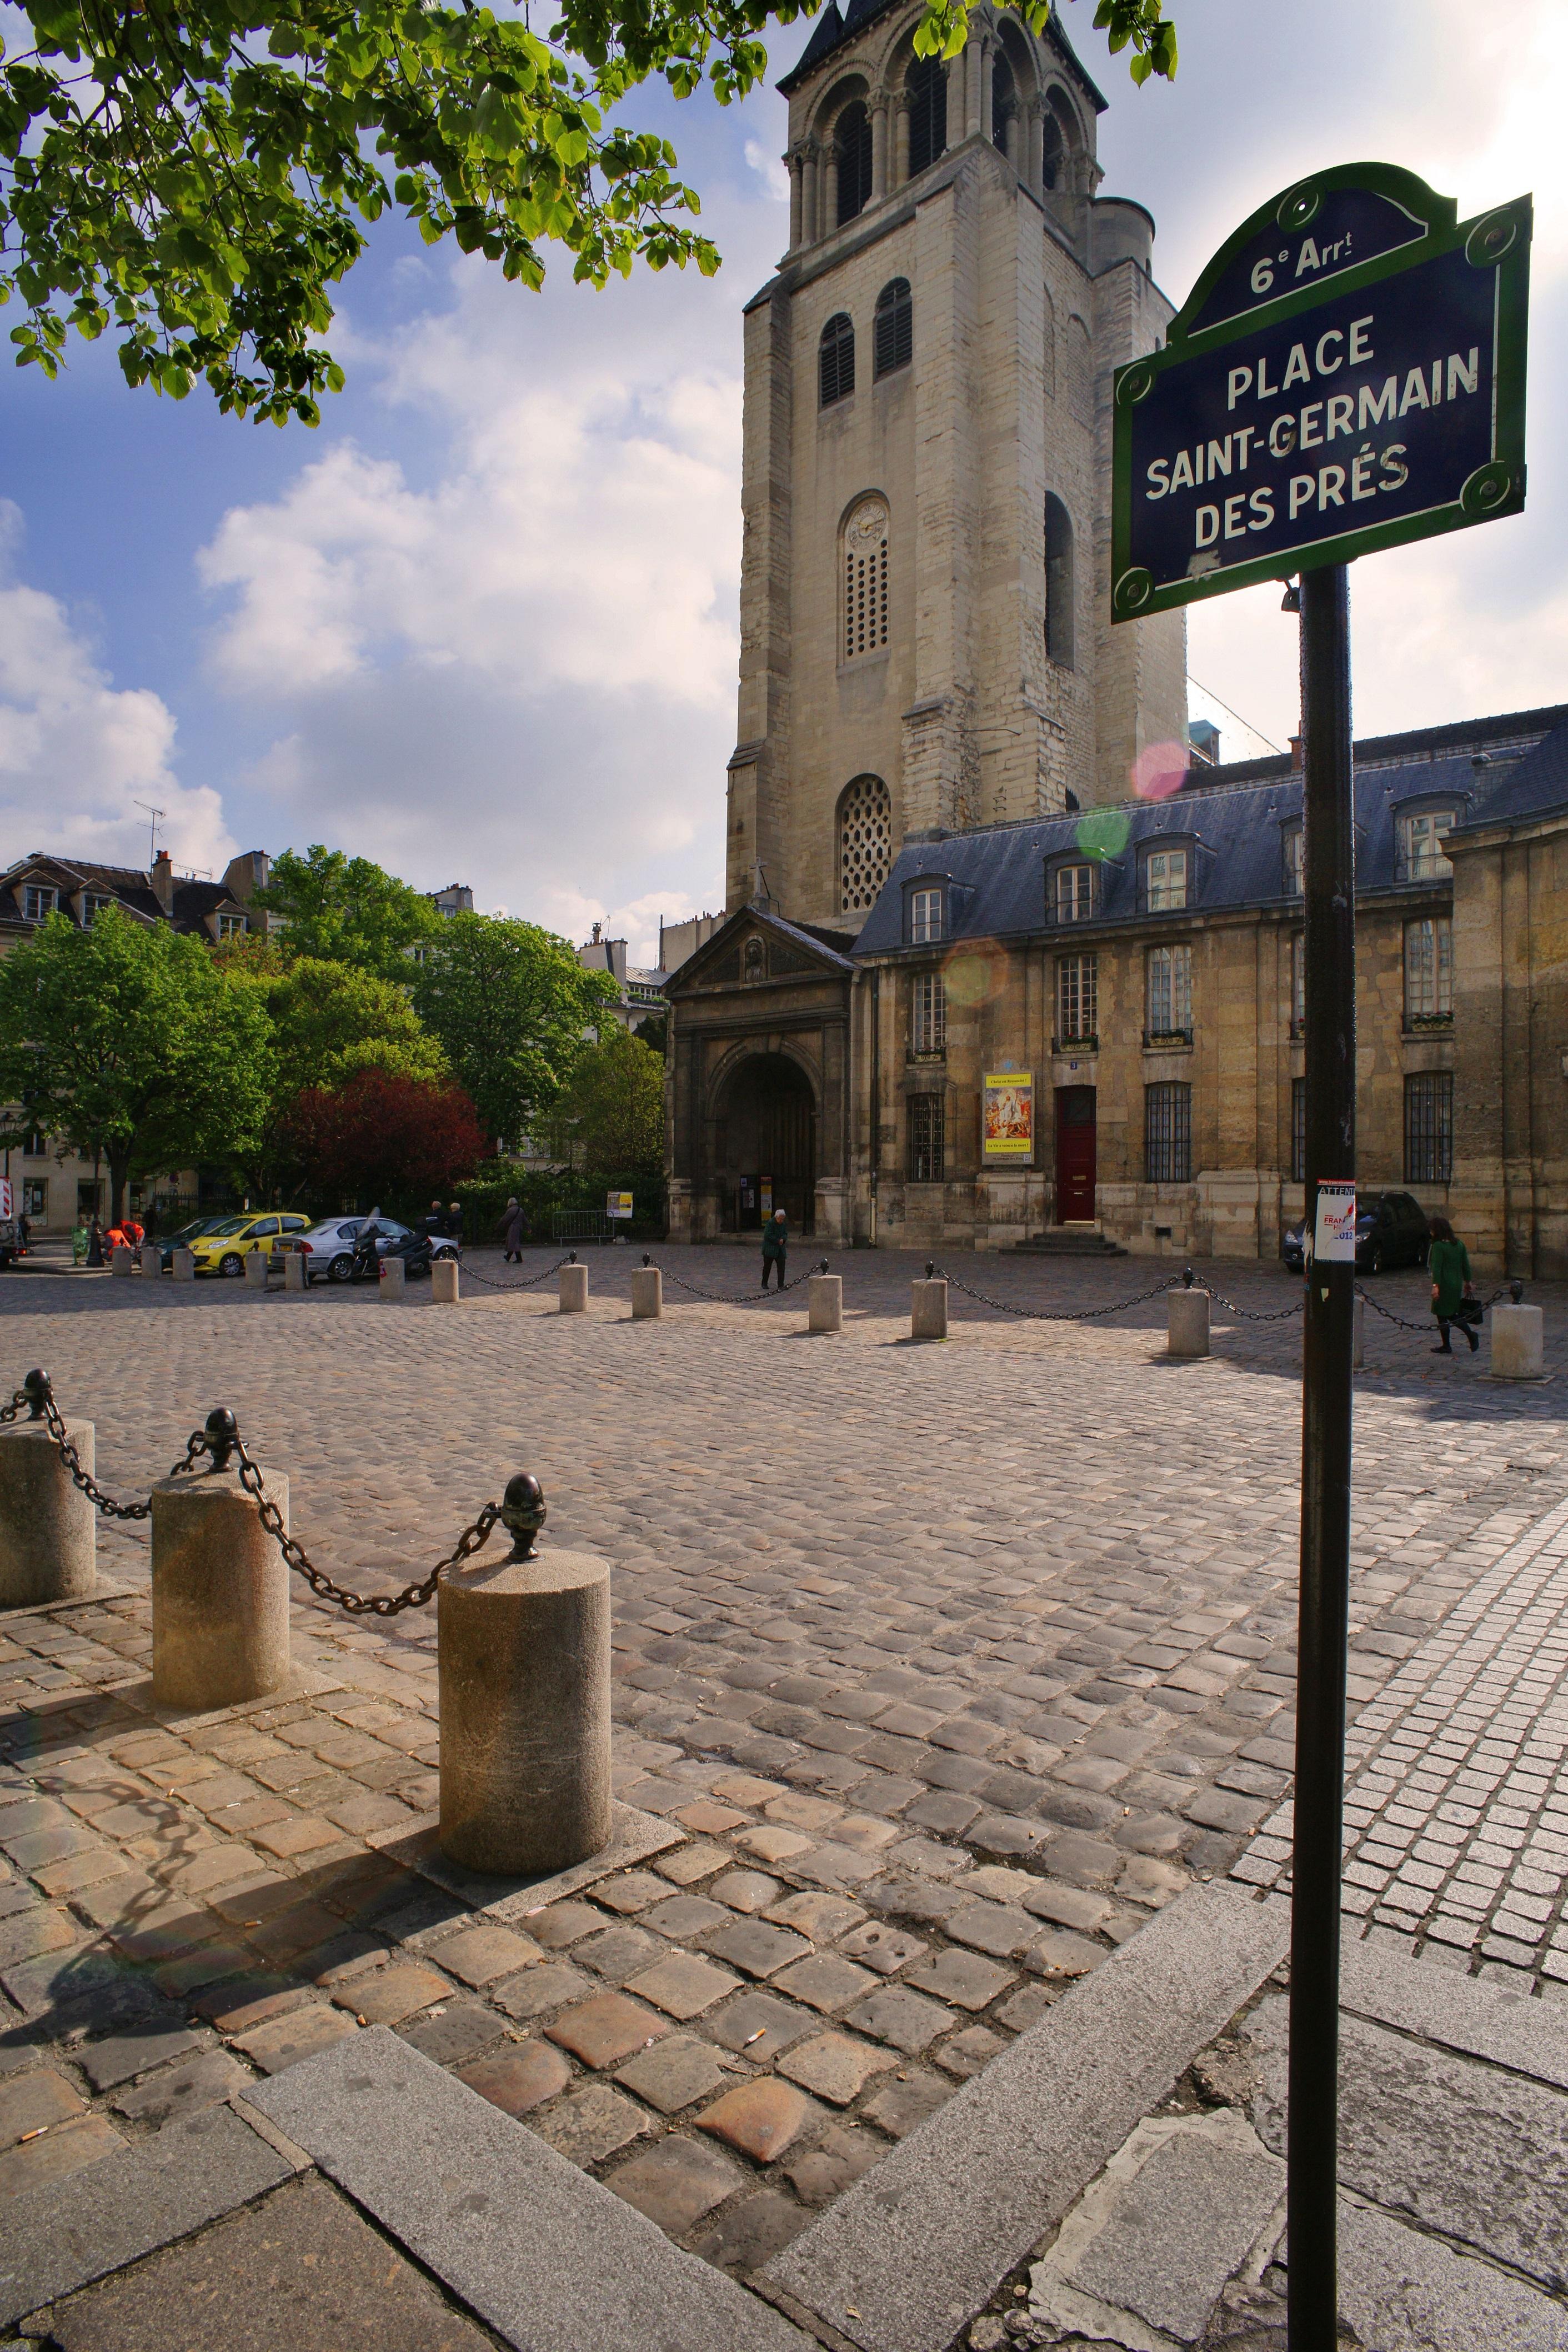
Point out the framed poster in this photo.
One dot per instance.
(1007, 1122)
(618, 1204)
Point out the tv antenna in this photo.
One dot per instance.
(157, 816)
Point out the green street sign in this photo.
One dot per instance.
(1348, 374)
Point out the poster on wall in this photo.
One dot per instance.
(1007, 1115)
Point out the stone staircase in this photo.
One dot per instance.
(1070, 1241)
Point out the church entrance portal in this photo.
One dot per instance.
(767, 1145)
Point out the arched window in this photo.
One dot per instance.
(1004, 102)
(927, 88)
(865, 579)
(855, 161)
(836, 360)
(865, 844)
(1057, 581)
(1059, 129)
(1052, 151)
(893, 327)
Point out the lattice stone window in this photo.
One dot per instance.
(1077, 998)
(929, 1023)
(865, 844)
(865, 579)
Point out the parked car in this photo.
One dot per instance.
(186, 1237)
(416, 1250)
(226, 1248)
(329, 1246)
(11, 1244)
(1391, 1230)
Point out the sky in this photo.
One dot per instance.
(481, 624)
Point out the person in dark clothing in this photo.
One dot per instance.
(434, 1222)
(514, 1233)
(455, 1224)
(774, 1245)
(24, 1229)
(1448, 1262)
(95, 1243)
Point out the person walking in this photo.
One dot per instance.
(514, 1233)
(1448, 1262)
(774, 1245)
(455, 1224)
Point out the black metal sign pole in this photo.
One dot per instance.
(1330, 875)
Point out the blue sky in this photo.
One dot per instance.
(481, 624)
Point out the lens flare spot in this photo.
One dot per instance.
(1159, 770)
(1102, 833)
(974, 978)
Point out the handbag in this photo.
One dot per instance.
(1470, 1309)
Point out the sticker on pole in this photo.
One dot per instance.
(1334, 1237)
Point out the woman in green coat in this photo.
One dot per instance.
(1448, 1262)
(775, 1246)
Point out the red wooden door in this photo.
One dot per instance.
(1074, 1155)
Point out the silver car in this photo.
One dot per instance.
(329, 1247)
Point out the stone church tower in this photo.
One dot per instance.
(926, 639)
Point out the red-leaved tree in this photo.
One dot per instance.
(381, 1133)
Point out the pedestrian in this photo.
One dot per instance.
(514, 1231)
(95, 1243)
(135, 1233)
(455, 1224)
(1448, 1262)
(435, 1221)
(24, 1229)
(775, 1244)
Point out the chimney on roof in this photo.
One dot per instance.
(1296, 753)
(162, 878)
(245, 874)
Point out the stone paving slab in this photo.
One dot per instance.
(546, 2257)
(56, 2238)
(1403, 2292)
(1491, 2020)
(904, 2260)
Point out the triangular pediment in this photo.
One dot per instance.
(757, 944)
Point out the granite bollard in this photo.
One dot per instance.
(928, 1307)
(574, 1289)
(1517, 1342)
(647, 1294)
(391, 1279)
(825, 1303)
(183, 1263)
(295, 1276)
(151, 1259)
(121, 1259)
(257, 1267)
(524, 1654)
(48, 1529)
(443, 1281)
(1186, 1323)
(220, 1586)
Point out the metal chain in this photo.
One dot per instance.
(356, 1605)
(1043, 1315)
(472, 1274)
(738, 1298)
(1420, 1328)
(50, 1417)
(10, 1411)
(1251, 1315)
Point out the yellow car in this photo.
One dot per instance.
(225, 1249)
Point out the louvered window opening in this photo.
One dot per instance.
(894, 326)
(929, 1024)
(1168, 1134)
(927, 1138)
(855, 163)
(865, 844)
(1429, 1127)
(927, 88)
(836, 360)
(1077, 998)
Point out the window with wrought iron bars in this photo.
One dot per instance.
(1168, 1133)
(1429, 1127)
(926, 1126)
(1298, 983)
(928, 1027)
(1075, 893)
(1077, 998)
(1169, 997)
(1298, 1131)
(1429, 970)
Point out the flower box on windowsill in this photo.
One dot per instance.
(1075, 1044)
(1430, 1025)
(1167, 1041)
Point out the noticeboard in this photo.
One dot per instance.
(1348, 374)
(1008, 1116)
(617, 1204)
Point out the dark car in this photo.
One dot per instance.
(1391, 1230)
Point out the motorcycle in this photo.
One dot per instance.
(417, 1252)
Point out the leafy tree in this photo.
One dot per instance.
(127, 1038)
(511, 1005)
(610, 1113)
(349, 910)
(382, 1133)
(332, 1019)
(197, 180)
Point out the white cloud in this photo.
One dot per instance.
(76, 752)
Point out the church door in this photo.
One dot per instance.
(1074, 1155)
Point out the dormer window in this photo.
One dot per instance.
(1071, 893)
(231, 926)
(1165, 880)
(927, 915)
(39, 901)
(1421, 837)
(94, 902)
(1295, 862)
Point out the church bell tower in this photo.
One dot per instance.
(925, 637)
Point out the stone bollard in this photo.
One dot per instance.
(443, 1286)
(183, 1265)
(574, 1289)
(647, 1294)
(257, 1267)
(220, 1586)
(151, 1260)
(47, 1527)
(524, 1652)
(1358, 1335)
(825, 1303)
(294, 1273)
(928, 1307)
(121, 1260)
(1518, 1341)
(1187, 1320)
(391, 1279)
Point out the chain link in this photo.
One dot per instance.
(1043, 1315)
(738, 1298)
(1420, 1328)
(106, 1503)
(472, 1274)
(356, 1605)
(10, 1411)
(1252, 1314)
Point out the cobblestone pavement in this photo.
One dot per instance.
(952, 1664)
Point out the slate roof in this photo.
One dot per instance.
(128, 886)
(1235, 828)
(829, 947)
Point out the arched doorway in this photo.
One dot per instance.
(765, 1145)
